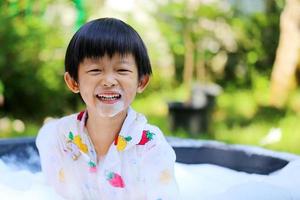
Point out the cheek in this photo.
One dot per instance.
(85, 92)
(131, 95)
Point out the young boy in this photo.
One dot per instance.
(108, 151)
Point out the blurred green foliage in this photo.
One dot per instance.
(239, 118)
(1, 88)
(31, 68)
(31, 62)
(199, 21)
(257, 37)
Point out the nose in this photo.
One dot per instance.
(109, 80)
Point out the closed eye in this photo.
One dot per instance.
(94, 71)
(123, 71)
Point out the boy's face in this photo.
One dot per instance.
(108, 85)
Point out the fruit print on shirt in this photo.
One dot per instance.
(80, 144)
(121, 142)
(115, 180)
(92, 166)
(165, 176)
(146, 137)
(61, 175)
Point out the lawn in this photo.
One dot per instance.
(240, 117)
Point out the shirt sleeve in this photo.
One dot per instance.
(50, 153)
(158, 169)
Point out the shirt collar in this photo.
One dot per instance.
(131, 130)
(132, 127)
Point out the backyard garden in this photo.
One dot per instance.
(238, 49)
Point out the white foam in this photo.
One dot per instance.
(196, 182)
(16, 183)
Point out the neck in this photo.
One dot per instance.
(103, 130)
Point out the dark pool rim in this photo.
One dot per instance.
(229, 157)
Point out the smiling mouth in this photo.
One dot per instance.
(108, 97)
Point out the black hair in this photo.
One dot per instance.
(106, 36)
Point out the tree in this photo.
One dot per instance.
(195, 31)
(288, 54)
(31, 61)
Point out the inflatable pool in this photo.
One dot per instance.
(204, 170)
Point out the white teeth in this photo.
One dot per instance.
(109, 97)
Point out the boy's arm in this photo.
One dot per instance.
(50, 153)
(158, 169)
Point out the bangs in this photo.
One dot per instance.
(96, 41)
(106, 36)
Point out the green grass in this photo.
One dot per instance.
(250, 134)
(240, 117)
(8, 129)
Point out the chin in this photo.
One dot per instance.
(111, 110)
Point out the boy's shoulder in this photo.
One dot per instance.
(55, 123)
(154, 130)
(52, 128)
(152, 136)
(155, 144)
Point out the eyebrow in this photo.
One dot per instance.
(91, 65)
(125, 62)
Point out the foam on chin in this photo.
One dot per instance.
(110, 110)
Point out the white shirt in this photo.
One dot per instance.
(139, 165)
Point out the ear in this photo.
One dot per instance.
(71, 83)
(143, 83)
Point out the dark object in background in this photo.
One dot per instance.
(24, 152)
(190, 119)
(194, 116)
